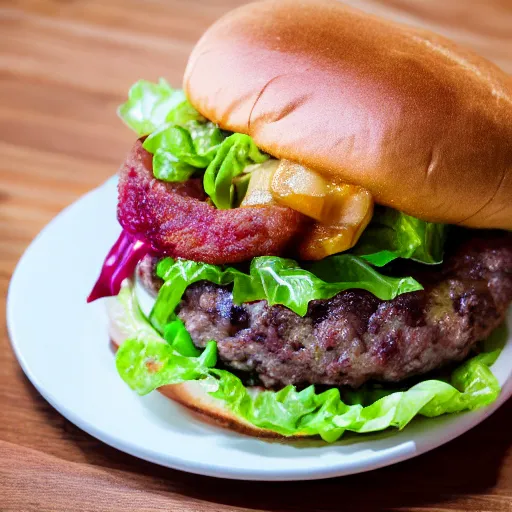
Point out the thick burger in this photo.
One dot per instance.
(315, 230)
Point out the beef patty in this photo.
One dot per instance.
(355, 337)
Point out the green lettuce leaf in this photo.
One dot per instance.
(232, 157)
(278, 281)
(183, 141)
(149, 105)
(145, 362)
(180, 138)
(392, 234)
(179, 338)
(184, 113)
(194, 143)
(180, 150)
(167, 167)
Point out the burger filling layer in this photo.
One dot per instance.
(354, 337)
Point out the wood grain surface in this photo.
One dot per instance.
(64, 67)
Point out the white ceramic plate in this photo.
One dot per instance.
(63, 347)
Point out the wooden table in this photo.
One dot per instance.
(64, 67)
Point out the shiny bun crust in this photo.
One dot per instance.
(423, 124)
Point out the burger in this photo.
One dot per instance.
(316, 229)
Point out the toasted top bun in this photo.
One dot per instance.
(422, 123)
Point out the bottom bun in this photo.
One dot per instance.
(212, 410)
(195, 396)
